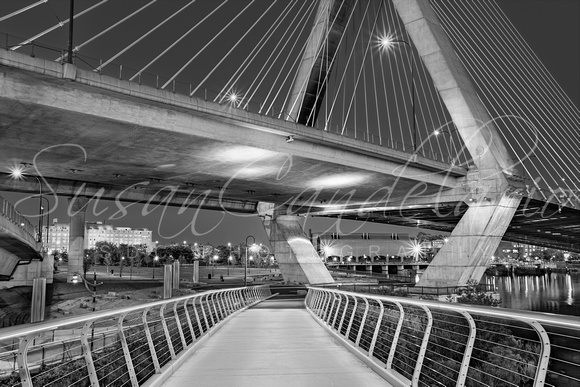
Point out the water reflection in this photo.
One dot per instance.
(554, 293)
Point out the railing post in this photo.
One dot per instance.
(343, 314)
(22, 360)
(226, 300)
(150, 342)
(327, 315)
(199, 326)
(319, 301)
(215, 309)
(542, 368)
(203, 313)
(166, 331)
(188, 320)
(377, 329)
(126, 352)
(423, 349)
(389, 364)
(468, 348)
(362, 322)
(88, 355)
(179, 328)
(238, 304)
(327, 296)
(337, 310)
(351, 317)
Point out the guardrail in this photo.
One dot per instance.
(8, 211)
(128, 346)
(426, 343)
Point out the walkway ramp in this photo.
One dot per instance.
(274, 343)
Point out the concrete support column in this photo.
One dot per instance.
(176, 274)
(296, 256)
(167, 281)
(195, 272)
(76, 241)
(471, 244)
(38, 299)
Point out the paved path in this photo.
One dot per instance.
(276, 343)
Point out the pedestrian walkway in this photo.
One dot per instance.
(276, 343)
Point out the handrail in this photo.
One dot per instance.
(127, 346)
(414, 342)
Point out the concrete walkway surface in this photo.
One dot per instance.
(276, 343)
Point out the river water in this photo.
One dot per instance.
(553, 293)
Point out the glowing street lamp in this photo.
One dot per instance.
(155, 260)
(17, 173)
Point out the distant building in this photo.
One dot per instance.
(363, 246)
(58, 236)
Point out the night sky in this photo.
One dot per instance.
(551, 28)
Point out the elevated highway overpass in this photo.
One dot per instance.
(93, 136)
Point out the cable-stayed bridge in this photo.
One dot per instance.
(375, 110)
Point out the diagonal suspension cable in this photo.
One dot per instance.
(276, 53)
(143, 37)
(21, 10)
(206, 45)
(240, 71)
(61, 24)
(232, 48)
(77, 48)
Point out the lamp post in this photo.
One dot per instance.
(388, 42)
(47, 217)
(437, 132)
(122, 259)
(215, 259)
(17, 173)
(155, 264)
(246, 260)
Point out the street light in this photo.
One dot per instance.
(215, 259)
(246, 260)
(155, 264)
(386, 43)
(18, 173)
(122, 259)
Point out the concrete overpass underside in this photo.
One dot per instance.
(88, 135)
(535, 222)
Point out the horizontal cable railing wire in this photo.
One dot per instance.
(427, 343)
(115, 347)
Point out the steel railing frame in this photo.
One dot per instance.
(182, 311)
(329, 306)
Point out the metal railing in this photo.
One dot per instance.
(426, 343)
(119, 347)
(8, 211)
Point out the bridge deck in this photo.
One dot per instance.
(275, 343)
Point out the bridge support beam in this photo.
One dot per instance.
(76, 244)
(471, 244)
(295, 254)
(310, 83)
